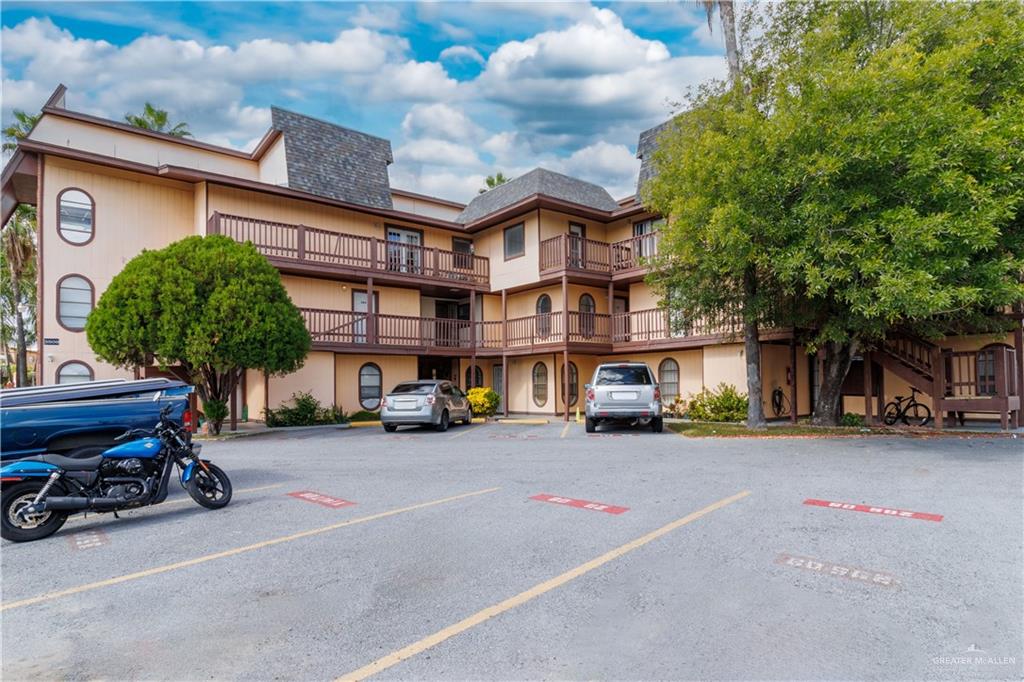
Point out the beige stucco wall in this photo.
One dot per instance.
(273, 167)
(554, 223)
(425, 207)
(725, 363)
(641, 297)
(316, 376)
(394, 368)
(517, 271)
(129, 146)
(132, 213)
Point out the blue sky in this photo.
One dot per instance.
(461, 89)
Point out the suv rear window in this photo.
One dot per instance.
(417, 389)
(620, 376)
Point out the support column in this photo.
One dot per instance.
(611, 311)
(869, 375)
(792, 381)
(504, 384)
(504, 351)
(234, 407)
(1018, 352)
(565, 340)
(565, 382)
(938, 388)
(371, 315)
(472, 337)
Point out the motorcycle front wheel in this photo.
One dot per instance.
(210, 487)
(35, 527)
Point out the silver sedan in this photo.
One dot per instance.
(437, 403)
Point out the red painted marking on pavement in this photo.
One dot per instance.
(580, 504)
(88, 539)
(885, 511)
(322, 500)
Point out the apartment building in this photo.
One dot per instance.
(525, 289)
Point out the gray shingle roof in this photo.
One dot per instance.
(334, 162)
(645, 149)
(537, 181)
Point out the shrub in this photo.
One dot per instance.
(851, 419)
(483, 401)
(364, 416)
(305, 410)
(215, 411)
(676, 408)
(723, 404)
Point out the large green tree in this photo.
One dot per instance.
(877, 167)
(158, 121)
(209, 304)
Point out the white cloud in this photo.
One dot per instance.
(382, 16)
(412, 81)
(462, 53)
(440, 121)
(613, 166)
(436, 153)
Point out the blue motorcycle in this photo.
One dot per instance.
(40, 492)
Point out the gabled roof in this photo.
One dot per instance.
(645, 149)
(335, 162)
(539, 181)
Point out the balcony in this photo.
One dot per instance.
(300, 249)
(587, 332)
(577, 255)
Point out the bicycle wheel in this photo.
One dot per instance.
(917, 415)
(777, 401)
(891, 414)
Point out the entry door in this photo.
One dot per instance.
(498, 384)
(360, 306)
(577, 236)
(620, 307)
(404, 250)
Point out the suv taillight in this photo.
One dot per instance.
(657, 394)
(186, 420)
(590, 395)
(431, 398)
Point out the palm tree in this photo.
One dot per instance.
(18, 245)
(727, 14)
(156, 120)
(493, 181)
(19, 129)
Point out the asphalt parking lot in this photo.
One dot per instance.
(527, 552)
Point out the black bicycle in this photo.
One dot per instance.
(907, 410)
(780, 403)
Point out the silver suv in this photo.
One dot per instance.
(623, 392)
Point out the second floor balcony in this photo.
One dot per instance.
(573, 254)
(301, 249)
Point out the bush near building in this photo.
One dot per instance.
(483, 401)
(722, 404)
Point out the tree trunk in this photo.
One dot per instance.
(838, 357)
(732, 53)
(752, 347)
(218, 387)
(19, 333)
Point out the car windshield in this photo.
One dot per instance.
(620, 376)
(415, 389)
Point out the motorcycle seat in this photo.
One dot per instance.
(71, 463)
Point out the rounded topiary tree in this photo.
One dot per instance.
(209, 304)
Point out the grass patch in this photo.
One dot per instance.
(723, 430)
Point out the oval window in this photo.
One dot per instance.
(370, 386)
(76, 210)
(540, 384)
(668, 378)
(74, 302)
(543, 316)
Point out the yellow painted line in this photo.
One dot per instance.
(183, 500)
(530, 422)
(49, 596)
(566, 429)
(479, 420)
(357, 425)
(463, 431)
(479, 617)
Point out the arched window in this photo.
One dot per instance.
(474, 378)
(588, 310)
(543, 316)
(370, 386)
(540, 384)
(74, 372)
(74, 302)
(668, 378)
(985, 367)
(77, 213)
(574, 383)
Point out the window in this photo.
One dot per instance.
(543, 316)
(540, 384)
(574, 383)
(668, 377)
(588, 310)
(515, 241)
(463, 250)
(74, 372)
(74, 302)
(474, 378)
(369, 386)
(985, 366)
(623, 375)
(76, 210)
(646, 238)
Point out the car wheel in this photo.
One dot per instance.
(443, 424)
(591, 425)
(657, 425)
(391, 428)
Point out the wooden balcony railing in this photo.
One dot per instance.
(656, 324)
(570, 252)
(916, 353)
(987, 373)
(314, 246)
